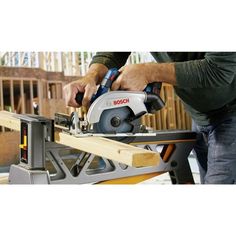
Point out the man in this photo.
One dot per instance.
(206, 83)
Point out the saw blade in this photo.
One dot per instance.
(114, 121)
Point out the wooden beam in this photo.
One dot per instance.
(110, 149)
(7, 120)
(4, 180)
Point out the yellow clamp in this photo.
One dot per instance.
(24, 145)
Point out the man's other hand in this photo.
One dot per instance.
(86, 85)
(134, 77)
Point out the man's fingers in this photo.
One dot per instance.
(70, 92)
(89, 91)
(116, 84)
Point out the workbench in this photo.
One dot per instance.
(145, 157)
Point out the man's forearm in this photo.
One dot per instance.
(161, 72)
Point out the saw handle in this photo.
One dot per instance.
(79, 98)
(154, 102)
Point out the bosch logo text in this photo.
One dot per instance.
(121, 101)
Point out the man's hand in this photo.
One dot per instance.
(136, 77)
(86, 85)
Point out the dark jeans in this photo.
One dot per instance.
(215, 150)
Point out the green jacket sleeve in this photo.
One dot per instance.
(111, 59)
(217, 69)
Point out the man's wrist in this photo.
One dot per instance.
(97, 71)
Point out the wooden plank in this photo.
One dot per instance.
(116, 151)
(4, 180)
(7, 120)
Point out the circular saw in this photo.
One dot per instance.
(116, 112)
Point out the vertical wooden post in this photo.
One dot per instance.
(183, 117)
(36, 59)
(164, 110)
(1, 99)
(12, 96)
(22, 96)
(83, 71)
(77, 67)
(158, 120)
(12, 58)
(21, 59)
(55, 61)
(60, 61)
(40, 96)
(41, 60)
(58, 90)
(70, 63)
(52, 61)
(31, 97)
(143, 120)
(66, 62)
(1, 95)
(48, 95)
(73, 63)
(171, 107)
(137, 57)
(153, 121)
(29, 57)
(178, 113)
